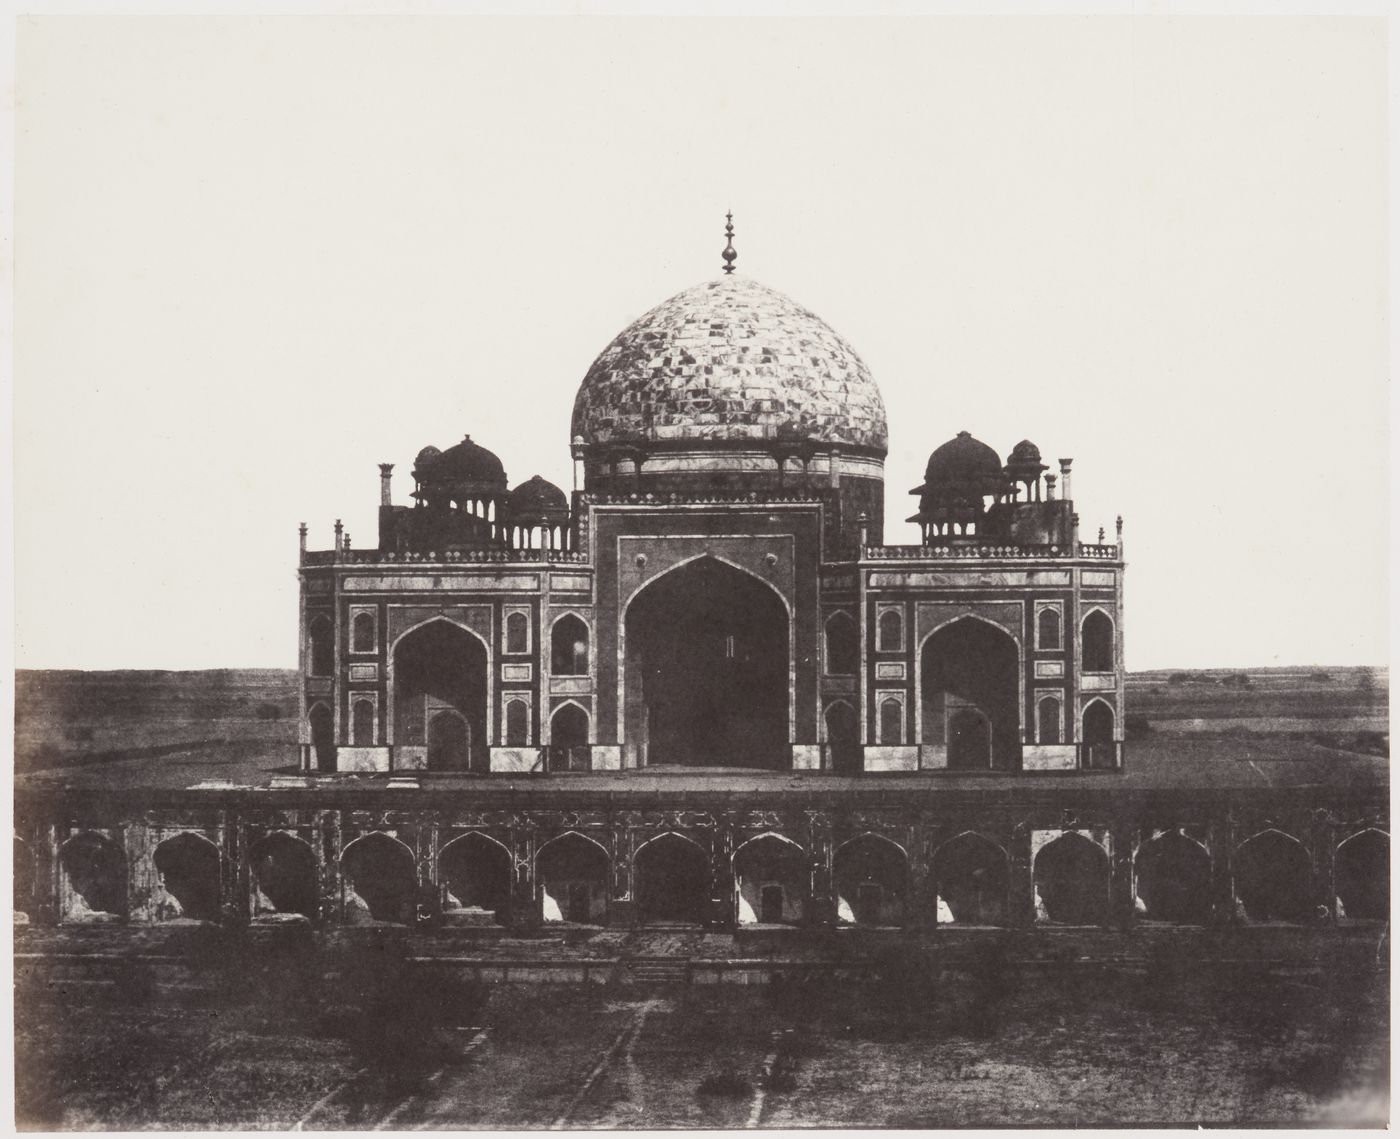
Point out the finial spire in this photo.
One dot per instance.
(730, 254)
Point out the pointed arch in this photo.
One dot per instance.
(1172, 873)
(870, 873)
(284, 875)
(1097, 641)
(475, 871)
(1071, 876)
(1273, 878)
(672, 876)
(841, 644)
(971, 877)
(94, 877)
(380, 880)
(724, 690)
(573, 872)
(188, 865)
(320, 650)
(971, 661)
(570, 642)
(1363, 876)
(772, 880)
(435, 665)
(320, 725)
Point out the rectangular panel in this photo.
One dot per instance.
(364, 672)
(1099, 577)
(1049, 669)
(966, 579)
(516, 759)
(1049, 757)
(517, 671)
(888, 758)
(806, 757)
(362, 759)
(409, 582)
(575, 582)
(889, 670)
(571, 685)
(1098, 681)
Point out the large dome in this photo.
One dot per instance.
(730, 360)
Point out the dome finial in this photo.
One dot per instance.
(730, 254)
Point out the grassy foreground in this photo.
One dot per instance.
(1087, 1046)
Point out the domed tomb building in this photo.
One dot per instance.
(717, 591)
(701, 687)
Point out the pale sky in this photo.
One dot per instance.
(256, 257)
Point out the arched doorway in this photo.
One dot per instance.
(380, 881)
(568, 739)
(1273, 879)
(322, 725)
(1071, 881)
(707, 669)
(970, 690)
(188, 865)
(1173, 880)
(871, 875)
(568, 652)
(1363, 877)
(843, 739)
(970, 875)
(440, 696)
(94, 877)
(284, 874)
(573, 874)
(672, 882)
(1098, 735)
(475, 873)
(1096, 642)
(771, 882)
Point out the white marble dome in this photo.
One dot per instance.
(730, 360)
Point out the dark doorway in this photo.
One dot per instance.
(1071, 881)
(872, 876)
(1098, 736)
(843, 739)
(1096, 642)
(284, 872)
(573, 875)
(1363, 877)
(475, 874)
(707, 669)
(381, 881)
(971, 662)
(771, 875)
(95, 870)
(440, 696)
(322, 737)
(1273, 879)
(449, 741)
(188, 865)
(673, 882)
(969, 740)
(971, 879)
(568, 739)
(1173, 880)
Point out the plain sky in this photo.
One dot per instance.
(257, 256)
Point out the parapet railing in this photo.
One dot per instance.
(913, 553)
(808, 497)
(471, 557)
